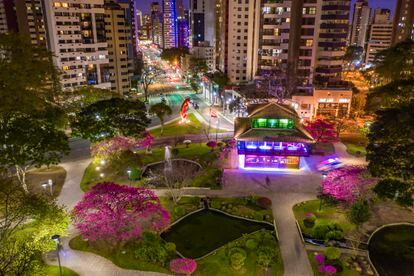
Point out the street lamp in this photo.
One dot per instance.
(49, 184)
(56, 238)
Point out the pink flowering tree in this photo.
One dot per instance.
(347, 184)
(183, 266)
(212, 145)
(146, 142)
(109, 149)
(322, 131)
(115, 214)
(326, 269)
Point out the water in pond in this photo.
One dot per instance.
(391, 250)
(206, 230)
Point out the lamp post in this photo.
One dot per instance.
(56, 238)
(50, 184)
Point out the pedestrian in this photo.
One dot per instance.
(267, 179)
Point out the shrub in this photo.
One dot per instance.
(251, 244)
(175, 152)
(264, 203)
(359, 212)
(332, 253)
(309, 220)
(237, 257)
(135, 174)
(327, 231)
(258, 216)
(265, 256)
(151, 249)
(328, 270)
(179, 211)
(171, 248)
(183, 266)
(215, 204)
(212, 145)
(337, 264)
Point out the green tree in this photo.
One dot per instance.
(148, 77)
(395, 189)
(390, 94)
(161, 110)
(359, 212)
(28, 78)
(197, 66)
(28, 142)
(27, 224)
(220, 78)
(84, 96)
(173, 55)
(108, 118)
(390, 151)
(265, 256)
(396, 63)
(353, 54)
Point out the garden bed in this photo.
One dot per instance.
(329, 214)
(349, 265)
(219, 263)
(199, 234)
(355, 144)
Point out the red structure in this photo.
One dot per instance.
(183, 111)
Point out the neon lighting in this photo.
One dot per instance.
(272, 123)
(183, 111)
(265, 147)
(251, 147)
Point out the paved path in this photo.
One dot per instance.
(346, 158)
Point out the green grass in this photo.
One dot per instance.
(218, 263)
(328, 213)
(355, 144)
(345, 272)
(207, 178)
(53, 270)
(199, 234)
(127, 260)
(184, 206)
(392, 250)
(194, 126)
(116, 172)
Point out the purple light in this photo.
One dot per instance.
(251, 147)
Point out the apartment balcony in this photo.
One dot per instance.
(334, 26)
(328, 44)
(333, 35)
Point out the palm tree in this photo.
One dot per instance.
(160, 110)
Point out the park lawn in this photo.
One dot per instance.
(345, 272)
(53, 270)
(355, 143)
(198, 152)
(127, 260)
(194, 126)
(35, 178)
(328, 213)
(218, 263)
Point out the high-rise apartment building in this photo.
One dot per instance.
(183, 32)
(118, 37)
(360, 23)
(169, 24)
(76, 37)
(203, 22)
(380, 34)
(403, 24)
(31, 22)
(156, 22)
(239, 39)
(8, 20)
(288, 39)
(140, 19)
(332, 42)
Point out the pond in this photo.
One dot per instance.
(207, 230)
(391, 250)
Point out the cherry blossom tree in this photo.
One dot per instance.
(115, 213)
(110, 148)
(348, 183)
(183, 266)
(322, 131)
(146, 142)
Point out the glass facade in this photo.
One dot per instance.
(274, 162)
(273, 123)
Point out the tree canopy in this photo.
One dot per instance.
(161, 110)
(28, 142)
(115, 213)
(390, 151)
(108, 118)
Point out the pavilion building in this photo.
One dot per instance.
(271, 137)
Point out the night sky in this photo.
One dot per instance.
(388, 4)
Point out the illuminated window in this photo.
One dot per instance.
(309, 42)
(272, 123)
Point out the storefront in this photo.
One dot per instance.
(271, 137)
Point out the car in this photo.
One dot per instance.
(331, 163)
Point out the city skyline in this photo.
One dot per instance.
(144, 5)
